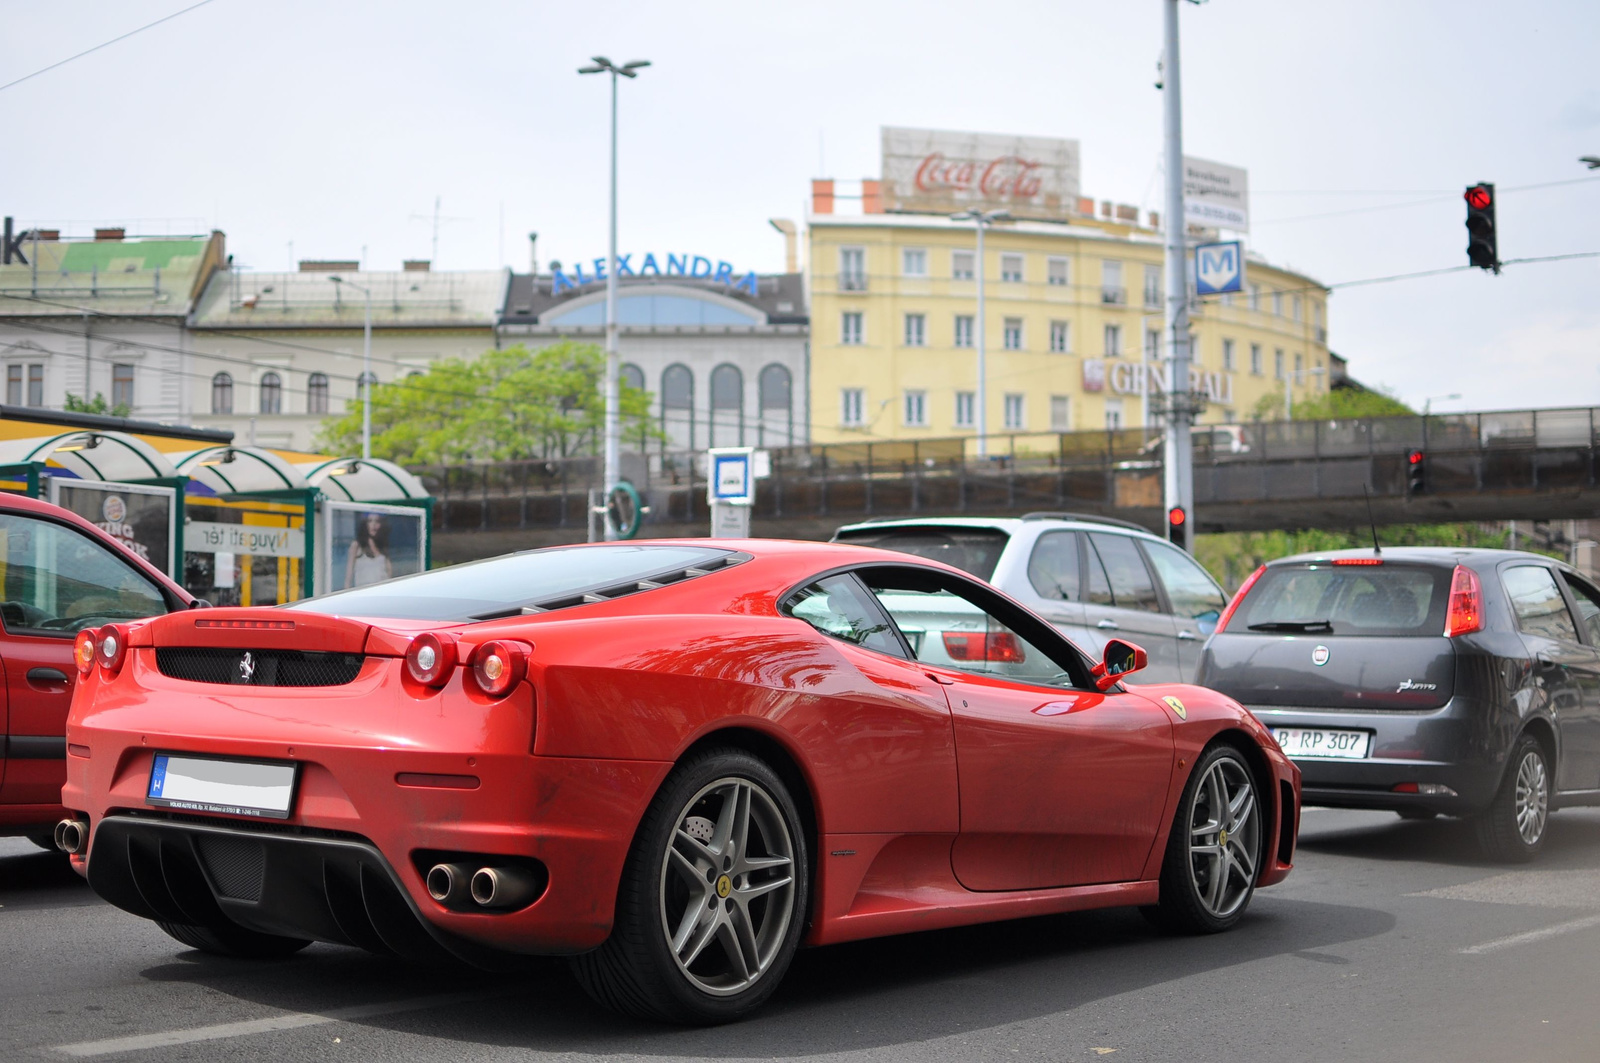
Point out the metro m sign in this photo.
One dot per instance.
(937, 172)
(1219, 268)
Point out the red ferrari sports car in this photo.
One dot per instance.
(675, 761)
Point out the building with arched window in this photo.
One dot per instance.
(723, 355)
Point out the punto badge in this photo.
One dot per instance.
(1176, 706)
(1319, 656)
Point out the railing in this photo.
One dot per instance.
(1502, 451)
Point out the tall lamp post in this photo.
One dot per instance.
(365, 385)
(982, 219)
(613, 444)
(1293, 377)
(1427, 403)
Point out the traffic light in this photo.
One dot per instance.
(1176, 519)
(1416, 473)
(1483, 245)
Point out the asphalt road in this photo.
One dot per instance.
(1391, 941)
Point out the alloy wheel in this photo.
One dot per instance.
(1533, 797)
(727, 886)
(1224, 837)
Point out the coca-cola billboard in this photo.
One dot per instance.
(934, 171)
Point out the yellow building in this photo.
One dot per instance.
(1073, 311)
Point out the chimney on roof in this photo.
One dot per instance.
(791, 257)
(416, 265)
(109, 235)
(821, 196)
(329, 265)
(533, 253)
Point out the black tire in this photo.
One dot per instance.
(234, 941)
(1184, 906)
(1420, 815)
(638, 970)
(45, 840)
(1513, 828)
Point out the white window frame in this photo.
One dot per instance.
(852, 279)
(852, 336)
(915, 408)
(1060, 337)
(1011, 330)
(1058, 272)
(1256, 367)
(1016, 411)
(957, 272)
(915, 333)
(914, 261)
(966, 409)
(965, 329)
(1013, 268)
(1227, 355)
(1112, 338)
(1111, 283)
(1060, 413)
(852, 407)
(1152, 286)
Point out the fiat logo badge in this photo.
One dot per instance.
(1319, 656)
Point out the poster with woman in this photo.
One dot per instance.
(371, 543)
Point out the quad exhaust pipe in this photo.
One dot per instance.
(500, 888)
(72, 835)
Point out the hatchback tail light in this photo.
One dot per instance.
(431, 658)
(111, 646)
(1465, 612)
(498, 666)
(1000, 647)
(85, 648)
(1238, 596)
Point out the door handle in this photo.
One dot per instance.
(940, 679)
(1190, 635)
(1107, 625)
(46, 675)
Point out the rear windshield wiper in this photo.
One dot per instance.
(1294, 625)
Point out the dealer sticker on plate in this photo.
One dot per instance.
(1323, 742)
(237, 787)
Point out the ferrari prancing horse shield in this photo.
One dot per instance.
(1176, 706)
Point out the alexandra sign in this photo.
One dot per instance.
(939, 172)
(1137, 378)
(692, 267)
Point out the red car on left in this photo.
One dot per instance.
(58, 575)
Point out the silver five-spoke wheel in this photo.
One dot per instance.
(727, 885)
(1513, 828)
(1224, 837)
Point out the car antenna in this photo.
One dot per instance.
(1376, 549)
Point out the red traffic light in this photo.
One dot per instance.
(1415, 457)
(1478, 197)
(1176, 517)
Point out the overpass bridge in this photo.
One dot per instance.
(1499, 465)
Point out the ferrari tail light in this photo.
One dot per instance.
(1464, 614)
(431, 658)
(1000, 647)
(498, 666)
(1238, 596)
(84, 649)
(111, 646)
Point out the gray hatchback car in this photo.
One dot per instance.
(1425, 681)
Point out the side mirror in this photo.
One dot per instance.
(199, 603)
(1120, 659)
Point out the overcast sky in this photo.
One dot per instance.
(333, 126)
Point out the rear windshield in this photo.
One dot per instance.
(974, 550)
(1324, 599)
(504, 586)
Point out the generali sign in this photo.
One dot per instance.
(1152, 378)
(939, 172)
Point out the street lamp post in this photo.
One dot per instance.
(1177, 463)
(613, 427)
(1427, 403)
(364, 386)
(1293, 378)
(982, 219)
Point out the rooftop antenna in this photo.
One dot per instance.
(1376, 549)
(436, 218)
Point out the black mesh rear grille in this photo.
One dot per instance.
(237, 865)
(262, 668)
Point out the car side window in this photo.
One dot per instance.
(57, 580)
(1538, 604)
(1191, 591)
(1131, 585)
(841, 608)
(1588, 600)
(955, 630)
(1053, 566)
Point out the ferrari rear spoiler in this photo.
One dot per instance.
(267, 629)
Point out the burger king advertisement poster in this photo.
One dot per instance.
(140, 518)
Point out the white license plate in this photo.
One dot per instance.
(208, 784)
(1323, 742)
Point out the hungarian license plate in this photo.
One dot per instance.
(1323, 742)
(210, 784)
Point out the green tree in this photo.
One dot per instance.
(1337, 404)
(98, 404)
(505, 405)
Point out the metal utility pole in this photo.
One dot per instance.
(364, 385)
(613, 425)
(982, 219)
(1178, 466)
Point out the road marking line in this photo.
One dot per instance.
(291, 1021)
(1533, 935)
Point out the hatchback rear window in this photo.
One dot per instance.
(974, 550)
(1325, 599)
(535, 581)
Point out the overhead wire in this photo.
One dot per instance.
(105, 44)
